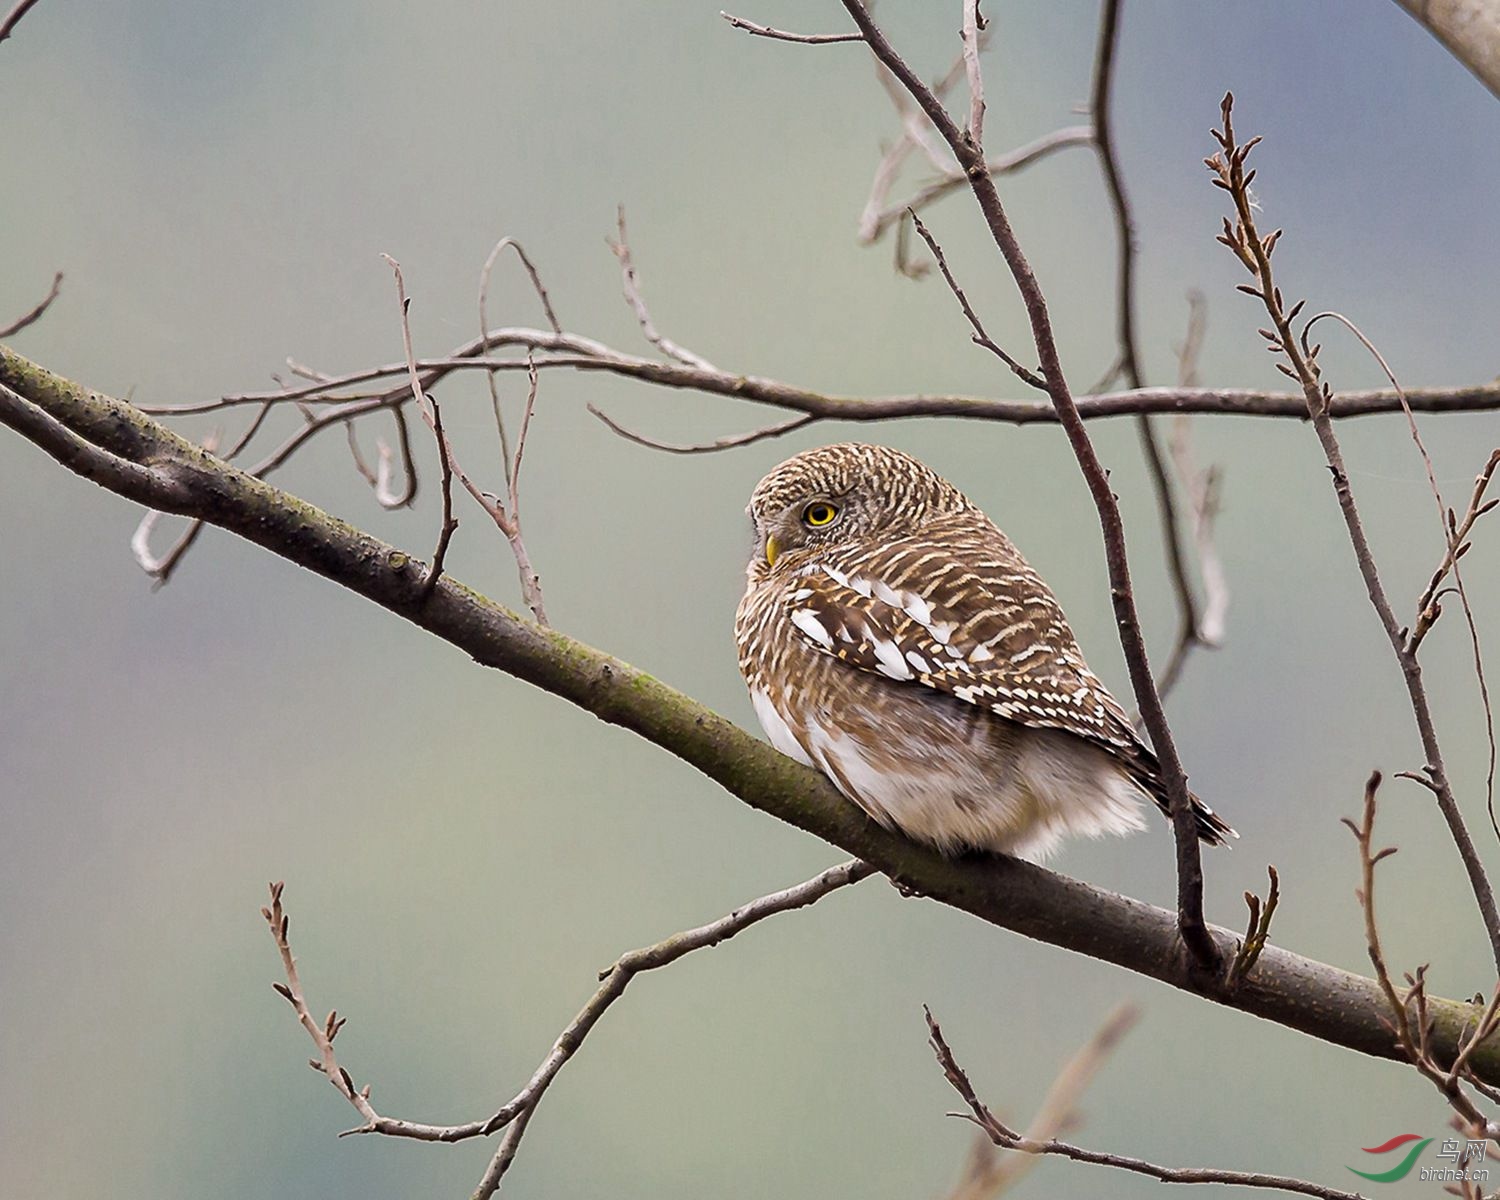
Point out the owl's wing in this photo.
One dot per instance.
(985, 630)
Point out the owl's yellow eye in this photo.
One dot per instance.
(819, 513)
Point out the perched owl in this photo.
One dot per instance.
(894, 638)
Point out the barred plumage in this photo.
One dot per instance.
(892, 636)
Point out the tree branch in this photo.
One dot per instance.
(1100, 96)
(970, 156)
(1254, 252)
(1010, 1139)
(575, 352)
(1320, 1000)
(7, 27)
(514, 1115)
(1469, 29)
(30, 318)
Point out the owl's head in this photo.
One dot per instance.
(843, 494)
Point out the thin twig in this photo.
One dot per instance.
(973, 23)
(724, 443)
(575, 352)
(1408, 1014)
(632, 285)
(1007, 1138)
(1057, 1112)
(1254, 253)
(1101, 95)
(36, 314)
(433, 417)
(1428, 609)
(1256, 931)
(1196, 937)
(516, 1112)
(617, 978)
(979, 337)
(322, 1032)
(484, 325)
(1201, 487)
(876, 220)
(10, 22)
(781, 35)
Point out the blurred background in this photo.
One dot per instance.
(463, 853)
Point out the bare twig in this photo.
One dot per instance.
(1201, 487)
(1410, 1021)
(973, 23)
(31, 318)
(1007, 1138)
(433, 417)
(1428, 609)
(484, 325)
(876, 220)
(780, 35)
(1058, 1109)
(575, 352)
(632, 285)
(507, 518)
(1256, 931)
(322, 1032)
(514, 1115)
(1189, 633)
(617, 977)
(160, 567)
(980, 337)
(9, 24)
(1195, 935)
(1254, 253)
(723, 443)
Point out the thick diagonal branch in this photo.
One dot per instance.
(1326, 1002)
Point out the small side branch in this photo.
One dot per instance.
(728, 442)
(1007, 1138)
(322, 1032)
(514, 1115)
(7, 27)
(980, 337)
(1190, 624)
(1300, 363)
(506, 514)
(1409, 1017)
(781, 35)
(1256, 932)
(433, 417)
(25, 320)
(632, 285)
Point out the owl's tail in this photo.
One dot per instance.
(1212, 828)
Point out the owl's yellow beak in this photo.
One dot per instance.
(771, 551)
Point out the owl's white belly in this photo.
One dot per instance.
(961, 780)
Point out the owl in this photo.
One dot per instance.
(892, 637)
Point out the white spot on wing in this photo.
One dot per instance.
(777, 730)
(917, 609)
(807, 621)
(888, 656)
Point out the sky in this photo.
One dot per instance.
(463, 853)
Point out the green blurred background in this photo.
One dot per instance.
(462, 852)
